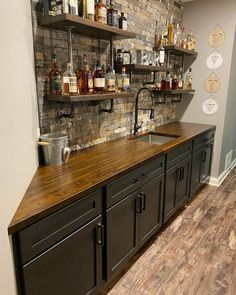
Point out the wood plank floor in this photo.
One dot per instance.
(195, 254)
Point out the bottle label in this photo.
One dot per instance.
(56, 83)
(102, 15)
(162, 57)
(126, 82)
(90, 84)
(72, 84)
(65, 6)
(110, 82)
(99, 82)
(180, 84)
(90, 7)
(124, 25)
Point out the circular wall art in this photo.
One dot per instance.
(210, 106)
(216, 37)
(212, 83)
(214, 60)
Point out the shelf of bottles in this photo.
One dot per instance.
(178, 51)
(140, 69)
(85, 27)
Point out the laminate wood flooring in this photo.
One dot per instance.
(195, 254)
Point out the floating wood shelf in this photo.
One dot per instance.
(85, 27)
(92, 97)
(141, 69)
(178, 91)
(178, 51)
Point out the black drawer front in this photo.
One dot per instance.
(120, 188)
(202, 140)
(38, 237)
(178, 154)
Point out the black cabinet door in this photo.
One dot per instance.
(206, 162)
(196, 172)
(176, 187)
(151, 208)
(183, 182)
(121, 232)
(73, 266)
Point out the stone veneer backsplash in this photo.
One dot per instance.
(89, 126)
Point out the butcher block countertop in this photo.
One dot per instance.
(54, 187)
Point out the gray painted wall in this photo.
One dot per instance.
(203, 16)
(229, 134)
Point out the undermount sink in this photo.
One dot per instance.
(155, 138)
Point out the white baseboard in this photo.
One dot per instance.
(216, 181)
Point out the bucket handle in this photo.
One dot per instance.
(66, 154)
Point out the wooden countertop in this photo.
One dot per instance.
(54, 187)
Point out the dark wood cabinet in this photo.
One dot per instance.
(176, 187)
(131, 222)
(72, 266)
(201, 167)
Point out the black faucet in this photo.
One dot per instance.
(137, 126)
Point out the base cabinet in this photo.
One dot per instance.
(131, 222)
(177, 187)
(73, 266)
(201, 167)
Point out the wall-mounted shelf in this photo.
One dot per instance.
(175, 92)
(85, 27)
(141, 69)
(179, 51)
(92, 97)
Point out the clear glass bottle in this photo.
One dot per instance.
(171, 31)
(55, 78)
(189, 80)
(161, 52)
(70, 81)
(178, 35)
(70, 6)
(89, 9)
(184, 39)
(180, 80)
(99, 79)
(125, 80)
(189, 41)
(112, 15)
(110, 80)
(123, 22)
(101, 12)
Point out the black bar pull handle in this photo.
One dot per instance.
(182, 173)
(143, 197)
(100, 234)
(204, 155)
(178, 174)
(139, 204)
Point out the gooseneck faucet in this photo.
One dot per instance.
(137, 126)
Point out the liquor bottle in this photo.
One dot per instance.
(180, 80)
(161, 52)
(55, 78)
(58, 7)
(158, 83)
(70, 6)
(79, 78)
(90, 82)
(110, 80)
(112, 15)
(70, 81)
(158, 34)
(174, 82)
(189, 41)
(168, 81)
(123, 22)
(84, 77)
(193, 39)
(101, 12)
(52, 7)
(99, 79)
(178, 35)
(189, 80)
(184, 39)
(89, 10)
(171, 31)
(125, 80)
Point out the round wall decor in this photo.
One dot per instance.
(214, 60)
(212, 83)
(210, 106)
(216, 37)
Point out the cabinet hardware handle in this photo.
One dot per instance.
(204, 155)
(139, 204)
(178, 174)
(137, 179)
(100, 234)
(143, 197)
(182, 173)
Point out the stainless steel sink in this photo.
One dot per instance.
(155, 138)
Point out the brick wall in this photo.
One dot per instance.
(89, 126)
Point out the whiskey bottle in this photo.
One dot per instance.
(99, 79)
(110, 80)
(70, 81)
(101, 12)
(112, 15)
(123, 22)
(125, 80)
(55, 79)
(189, 80)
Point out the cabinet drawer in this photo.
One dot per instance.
(178, 154)
(38, 237)
(201, 140)
(120, 188)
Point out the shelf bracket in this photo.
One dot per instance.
(110, 110)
